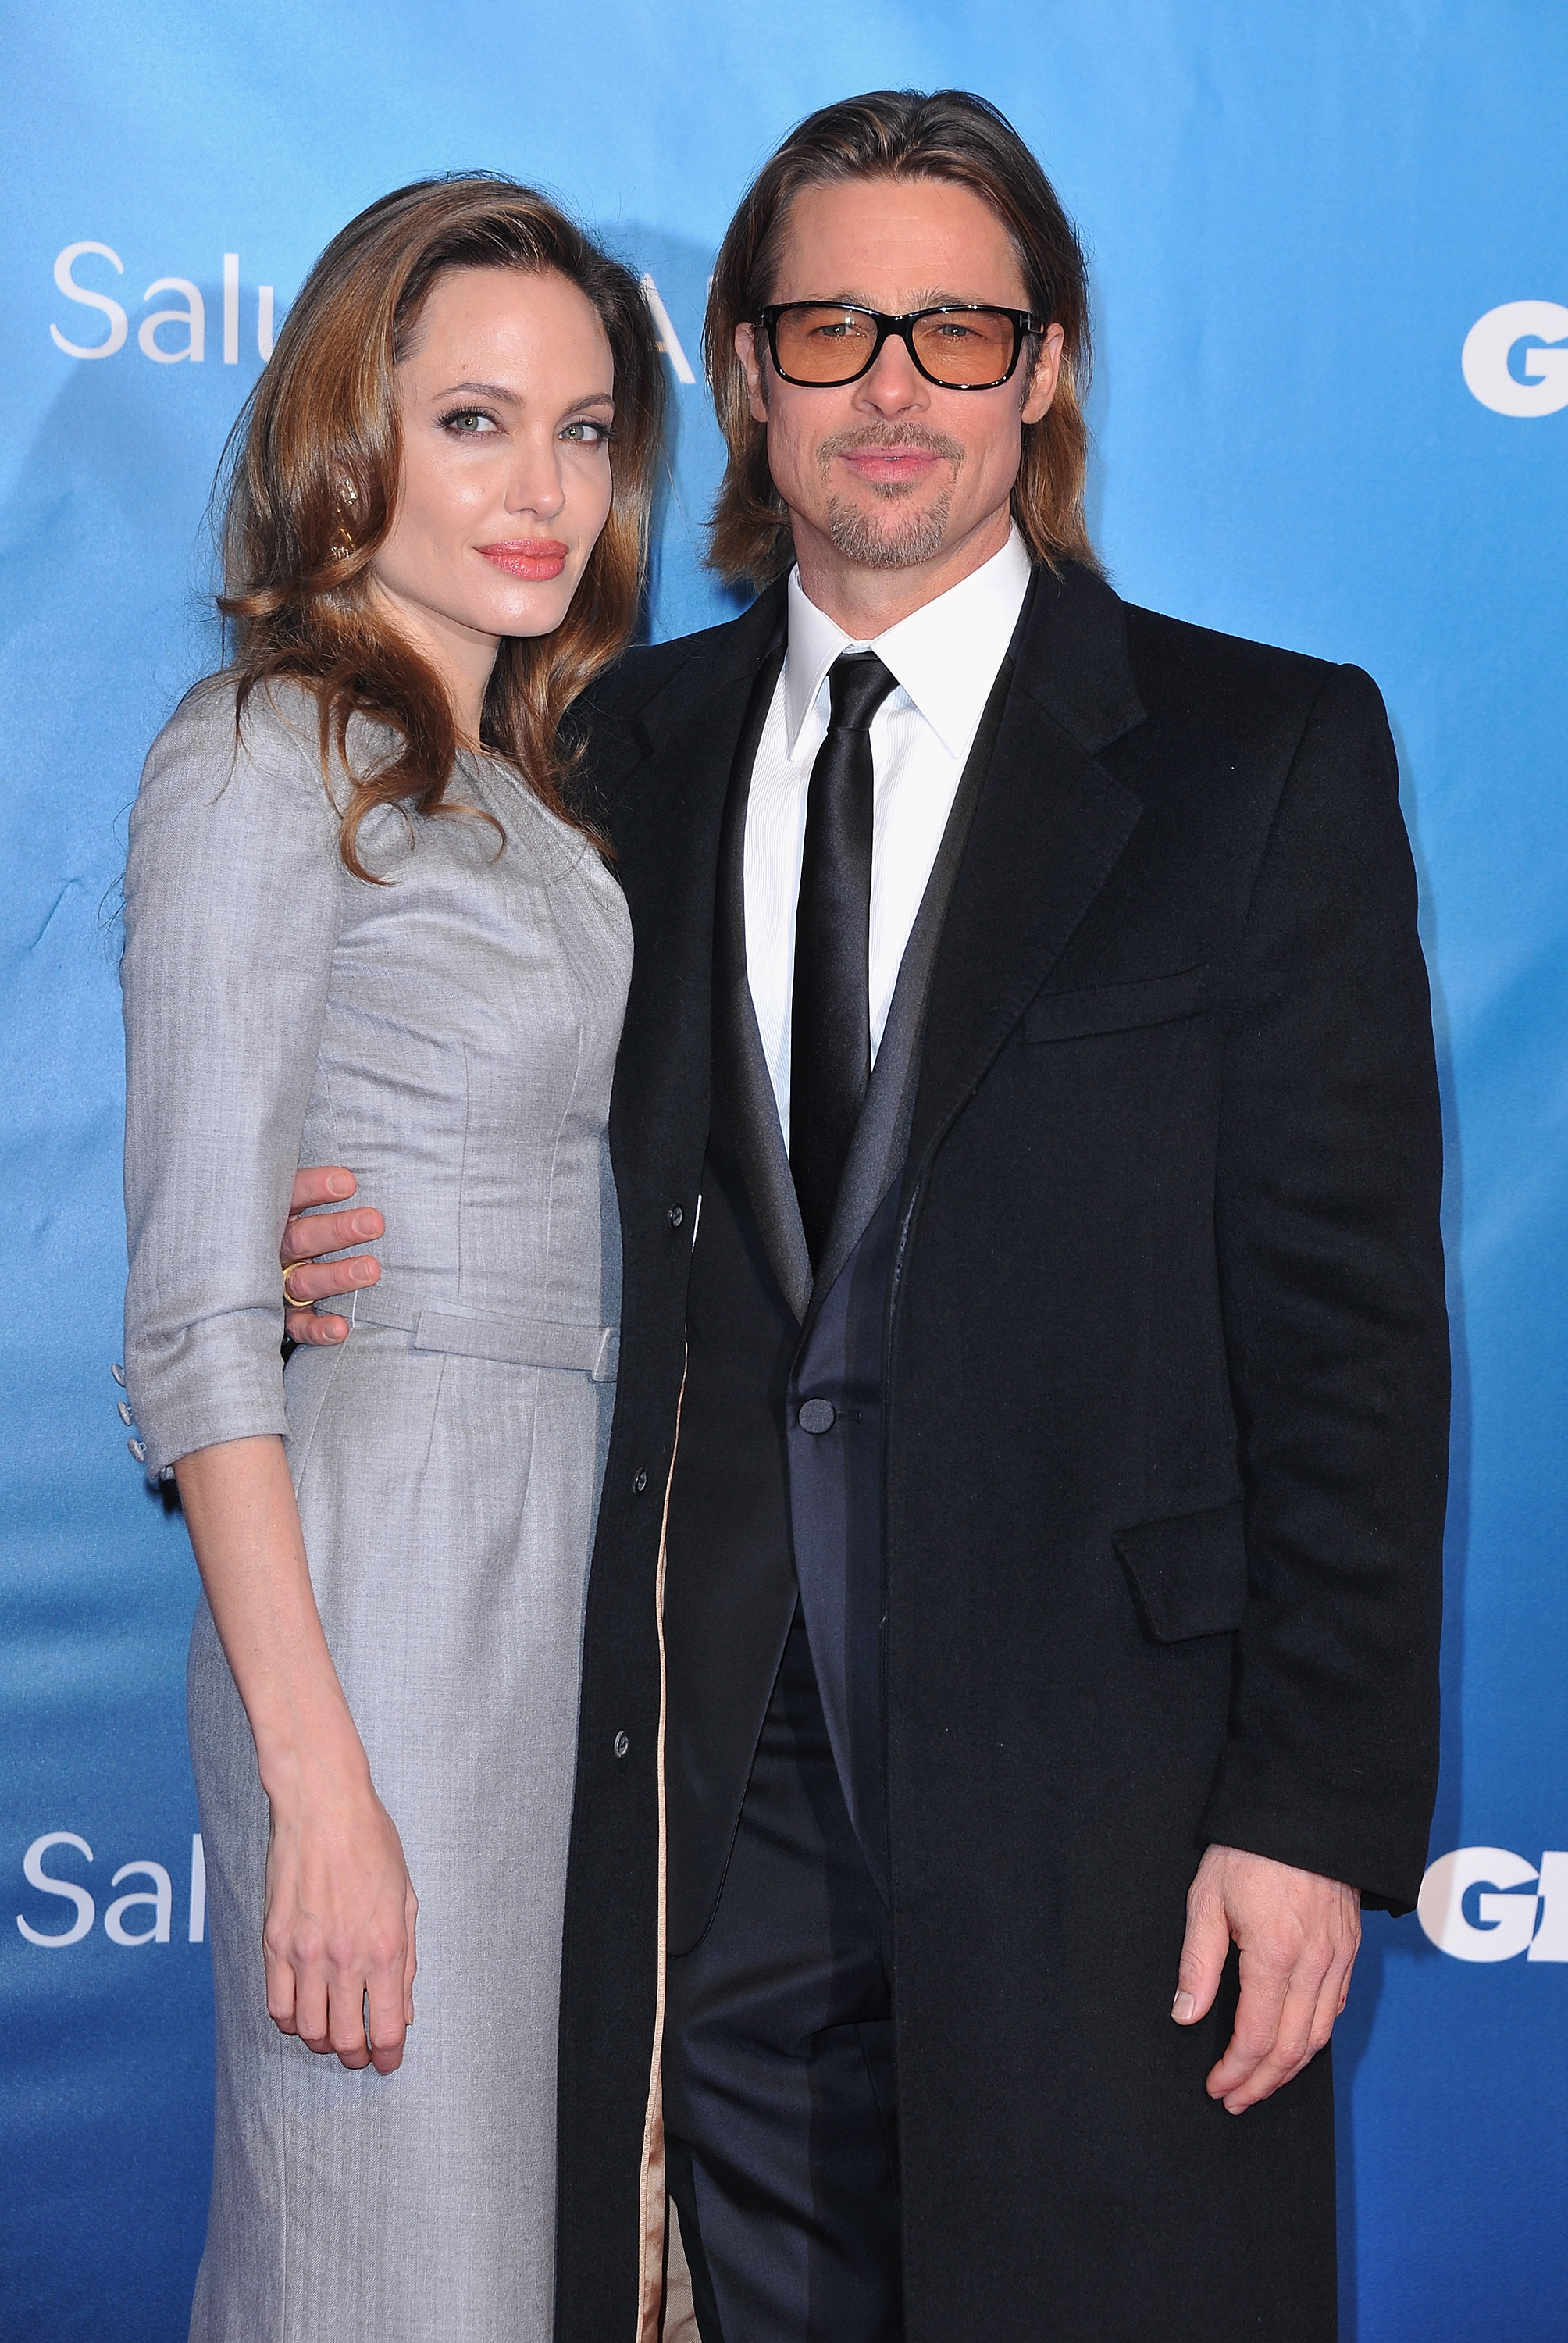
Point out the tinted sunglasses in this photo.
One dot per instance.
(958, 345)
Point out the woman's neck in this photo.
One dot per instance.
(464, 658)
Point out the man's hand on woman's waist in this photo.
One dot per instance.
(309, 1233)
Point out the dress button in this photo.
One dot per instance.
(676, 1216)
(621, 1743)
(639, 1482)
(817, 1415)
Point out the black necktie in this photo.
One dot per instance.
(830, 1022)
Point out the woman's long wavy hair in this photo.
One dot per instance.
(900, 134)
(297, 550)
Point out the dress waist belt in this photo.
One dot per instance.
(517, 1341)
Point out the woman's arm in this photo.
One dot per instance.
(234, 893)
(338, 1935)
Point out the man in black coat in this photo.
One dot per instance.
(1016, 1598)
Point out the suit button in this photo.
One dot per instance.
(621, 1743)
(676, 1216)
(817, 1415)
(639, 1482)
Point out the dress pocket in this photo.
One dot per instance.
(1187, 1573)
(1113, 1007)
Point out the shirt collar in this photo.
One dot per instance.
(945, 654)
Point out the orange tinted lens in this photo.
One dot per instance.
(965, 347)
(823, 344)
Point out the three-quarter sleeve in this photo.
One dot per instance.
(234, 891)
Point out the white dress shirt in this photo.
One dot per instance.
(945, 657)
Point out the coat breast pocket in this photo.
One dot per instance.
(1187, 1573)
(1117, 1008)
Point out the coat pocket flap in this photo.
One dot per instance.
(1109, 1007)
(1189, 1574)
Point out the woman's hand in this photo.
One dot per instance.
(338, 1932)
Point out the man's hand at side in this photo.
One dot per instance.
(1298, 1934)
(305, 1238)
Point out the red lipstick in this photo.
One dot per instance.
(536, 559)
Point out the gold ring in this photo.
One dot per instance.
(292, 1301)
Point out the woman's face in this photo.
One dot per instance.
(506, 400)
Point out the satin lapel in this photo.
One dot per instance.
(1049, 829)
(740, 1075)
(876, 1151)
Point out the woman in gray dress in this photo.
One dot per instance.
(362, 927)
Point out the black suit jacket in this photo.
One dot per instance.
(1164, 1459)
(762, 1509)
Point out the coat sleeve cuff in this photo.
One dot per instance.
(1382, 1858)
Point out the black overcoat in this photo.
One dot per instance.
(1165, 1444)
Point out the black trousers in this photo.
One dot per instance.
(781, 2095)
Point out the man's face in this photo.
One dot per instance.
(893, 472)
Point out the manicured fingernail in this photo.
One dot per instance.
(1183, 2008)
(341, 1183)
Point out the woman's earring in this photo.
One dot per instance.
(342, 544)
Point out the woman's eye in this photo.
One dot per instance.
(469, 423)
(586, 433)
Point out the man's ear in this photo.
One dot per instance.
(745, 350)
(1044, 376)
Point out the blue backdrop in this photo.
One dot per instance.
(1332, 410)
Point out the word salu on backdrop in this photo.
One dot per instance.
(153, 1903)
(1331, 409)
(190, 318)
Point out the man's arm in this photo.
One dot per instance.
(1327, 1192)
(309, 1233)
(1298, 1934)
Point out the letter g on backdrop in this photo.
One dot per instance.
(1489, 348)
(1505, 1922)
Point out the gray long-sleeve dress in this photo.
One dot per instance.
(450, 1035)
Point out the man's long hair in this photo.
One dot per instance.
(323, 422)
(891, 134)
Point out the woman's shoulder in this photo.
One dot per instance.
(267, 738)
(270, 720)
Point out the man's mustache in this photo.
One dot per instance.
(889, 436)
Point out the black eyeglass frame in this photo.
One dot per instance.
(1024, 323)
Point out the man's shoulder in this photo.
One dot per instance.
(660, 696)
(1185, 671)
(644, 672)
